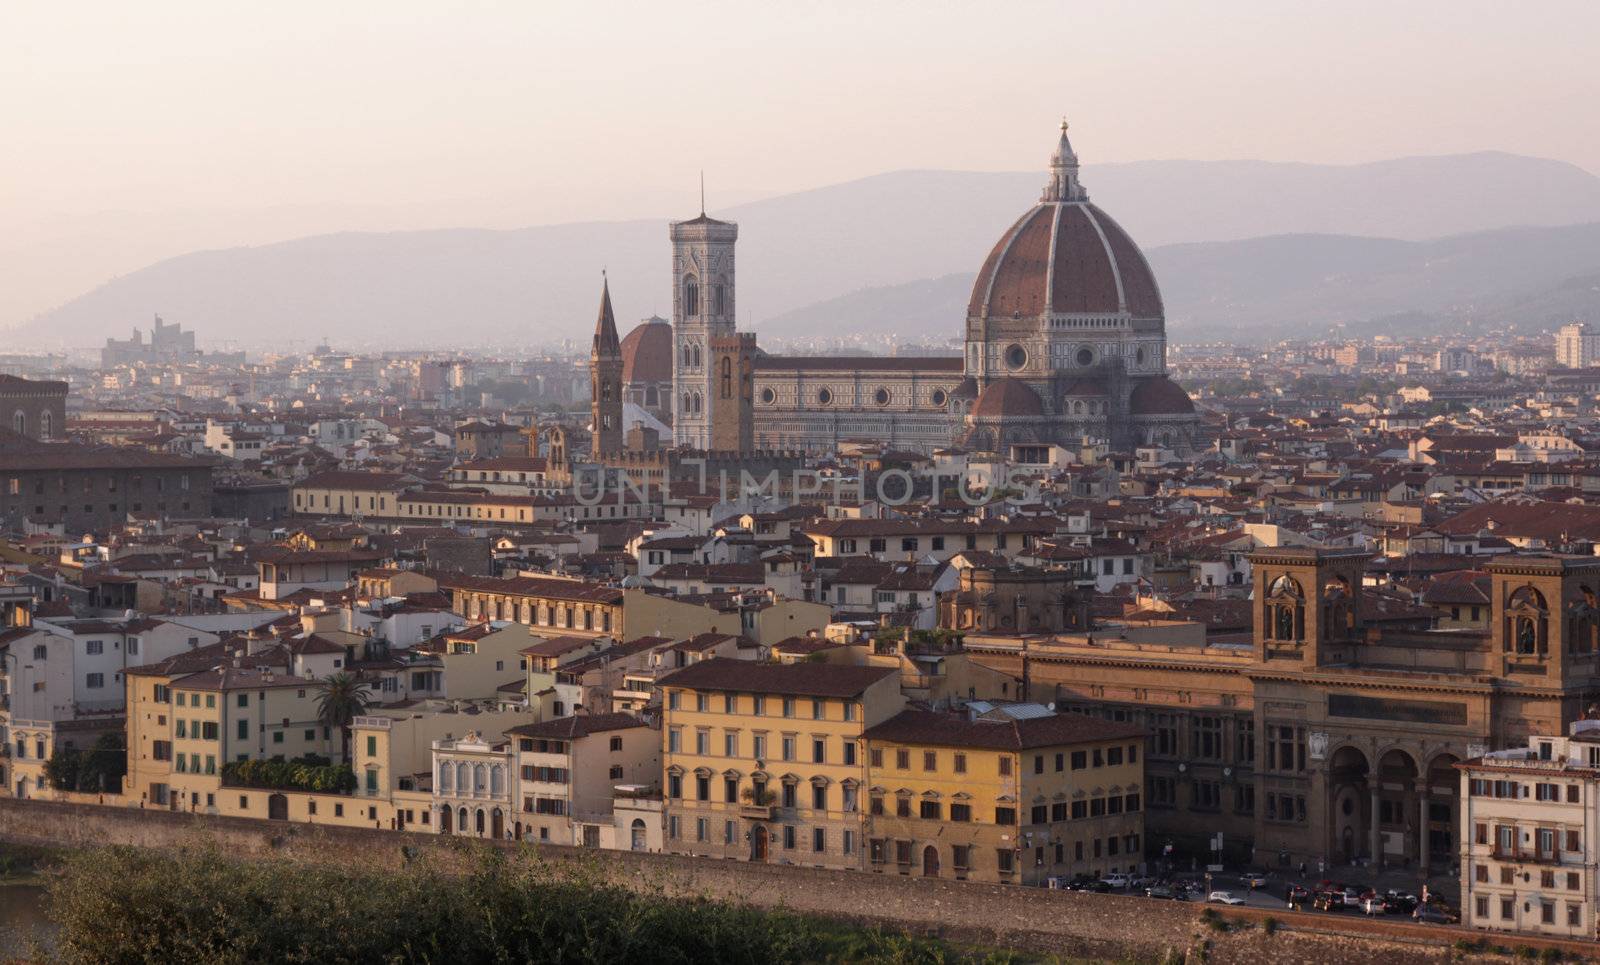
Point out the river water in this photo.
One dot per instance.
(24, 925)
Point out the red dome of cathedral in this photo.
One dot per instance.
(1159, 396)
(1065, 256)
(1007, 399)
(647, 352)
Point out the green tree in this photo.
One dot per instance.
(344, 697)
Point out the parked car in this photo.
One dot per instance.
(1086, 883)
(1395, 903)
(1253, 879)
(1329, 901)
(1165, 894)
(1116, 879)
(1354, 895)
(1372, 906)
(1225, 898)
(1298, 895)
(1140, 881)
(1435, 913)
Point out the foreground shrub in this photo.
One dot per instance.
(126, 905)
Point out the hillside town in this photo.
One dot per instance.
(1060, 607)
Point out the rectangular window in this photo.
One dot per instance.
(94, 681)
(1005, 816)
(930, 811)
(902, 759)
(930, 760)
(875, 757)
(730, 743)
(1005, 766)
(819, 840)
(819, 751)
(961, 812)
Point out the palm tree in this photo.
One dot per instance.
(344, 697)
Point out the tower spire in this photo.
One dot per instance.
(702, 192)
(1063, 184)
(605, 326)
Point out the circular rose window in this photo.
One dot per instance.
(881, 396)
(825, 396)
(1085, 356)
(939, 398)
(1016, 356)
(768, 396)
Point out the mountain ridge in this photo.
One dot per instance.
(493, 287)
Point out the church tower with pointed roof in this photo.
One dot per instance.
(605, 380)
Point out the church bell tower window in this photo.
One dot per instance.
(691, 296)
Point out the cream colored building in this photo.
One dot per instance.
(472, 786)
(1530, 825)
(567, 772)
(763, 761)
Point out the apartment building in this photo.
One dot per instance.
(763, 762)
(238, 714)
(1012, 797)
(567, 772)
(1530, 821)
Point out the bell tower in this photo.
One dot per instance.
(605, 380)
(1307, 605)
(702, 309)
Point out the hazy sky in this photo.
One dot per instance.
(134, 131)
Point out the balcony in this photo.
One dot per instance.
(757, 812)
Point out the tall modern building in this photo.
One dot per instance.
(1577, 347)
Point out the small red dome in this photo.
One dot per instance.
(647, 352)
(1007, 399)
(1159, 396)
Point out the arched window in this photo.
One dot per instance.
(1285, 610)
(46, 424)
(480, 781)
(691, 296)
(19, 422)
(497, 780)
(1527, 622)
(462, 787)
(688, 403)
(652, 398)
(696, 351)
(727, 377)
(697, 402)
(719, 302)
(445, 783)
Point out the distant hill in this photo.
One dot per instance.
(539, 285)
(1265, 288)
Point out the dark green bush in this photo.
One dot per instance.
(127, 905)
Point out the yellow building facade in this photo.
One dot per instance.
(762, 761)
(1004, 800)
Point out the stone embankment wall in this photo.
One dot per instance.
(1027, 919)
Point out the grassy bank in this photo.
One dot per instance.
(128, 905)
